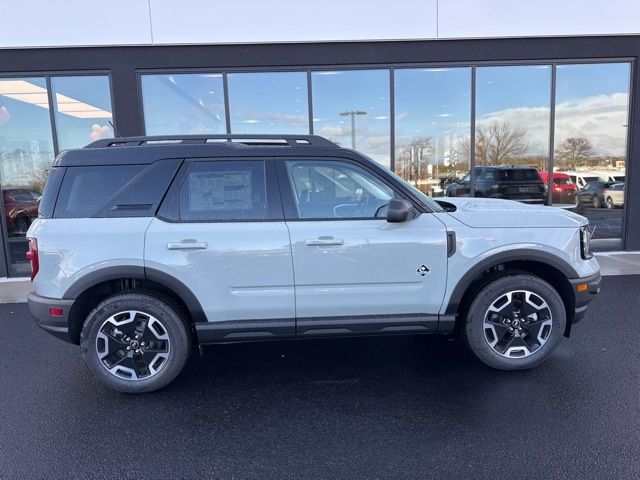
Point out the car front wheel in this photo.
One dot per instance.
(515, 322)
(135, 342)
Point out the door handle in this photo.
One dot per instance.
(323, 241)
(187, 245)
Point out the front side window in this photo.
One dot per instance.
(334, 189)
(224, 191)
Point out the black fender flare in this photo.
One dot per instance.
(517, 254)
(142, 273)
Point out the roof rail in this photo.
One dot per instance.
(244, 139)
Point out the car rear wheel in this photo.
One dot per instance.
(135, 342)
(610, 203)
(515, 322)
(597, 203)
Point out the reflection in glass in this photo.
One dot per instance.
(82, 110)
(513, 107)
(270, 102)
(26, 153)
(352, 108)
(592, 105)
(190, 103)
(432, 115)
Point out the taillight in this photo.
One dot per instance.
(32, 256)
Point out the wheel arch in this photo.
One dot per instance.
(89, 290)
(547, 266)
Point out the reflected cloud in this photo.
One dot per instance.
(600, 118)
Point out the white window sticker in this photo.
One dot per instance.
(219, 191)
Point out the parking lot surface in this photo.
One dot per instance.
(395, 407)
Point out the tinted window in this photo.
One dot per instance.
(562, 181)
(516, 174)
(85, 189)
(50, 193)
(337, 190)
(224, 190)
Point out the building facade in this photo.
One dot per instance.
(429, 104)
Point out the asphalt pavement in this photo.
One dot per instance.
(395, 407)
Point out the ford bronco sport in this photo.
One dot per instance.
(147, 246)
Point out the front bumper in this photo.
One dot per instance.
(586, 295)
(39, 308)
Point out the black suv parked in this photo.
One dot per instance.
(509, 182)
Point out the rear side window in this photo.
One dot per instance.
(224, 191)
(85, 189)
(50, 193)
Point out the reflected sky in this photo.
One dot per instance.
(272, 102)
(433, 108)
(82, 110)
(183, 104)
(367, 91)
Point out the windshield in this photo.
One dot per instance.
(428, 201)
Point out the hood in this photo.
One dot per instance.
(492, 213)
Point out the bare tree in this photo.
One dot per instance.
(496, 142)
(412, 159)
(573, 151)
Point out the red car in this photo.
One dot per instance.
(564, 190)
(20, 209)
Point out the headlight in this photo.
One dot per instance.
(585, 241)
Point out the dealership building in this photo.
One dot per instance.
(435, 90)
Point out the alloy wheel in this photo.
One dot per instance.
(517, 324)
(133, 345)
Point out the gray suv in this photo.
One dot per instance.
(146, 247)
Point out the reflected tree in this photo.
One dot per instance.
(496, 142)
(574, 151)
(412, 161)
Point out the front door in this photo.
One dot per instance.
(354, 271)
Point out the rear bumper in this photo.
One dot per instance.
(584, 298)
(39, 308)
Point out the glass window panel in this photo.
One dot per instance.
(271, 102)
(352, 108)
(592, 108)
(82, 110)
(26, 153)
(337, 190)
(189, 103)
(224, 190)
(433, 119)
(512, 131)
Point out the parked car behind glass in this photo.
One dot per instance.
(593, 194)
(508, 182)
(614, 195)
(20, 209)
(563, 190)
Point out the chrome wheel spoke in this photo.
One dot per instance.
(517, 324)
(133, 345)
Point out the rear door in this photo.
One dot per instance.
(354, 271)
(221, 233)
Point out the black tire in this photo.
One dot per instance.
(474, 331)
(597, 203)
(171, 320)
(610, 204)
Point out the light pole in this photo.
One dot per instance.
(352, 114)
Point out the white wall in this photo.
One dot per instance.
(41, 23)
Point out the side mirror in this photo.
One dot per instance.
(399, 210)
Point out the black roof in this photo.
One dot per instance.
(145, 150)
